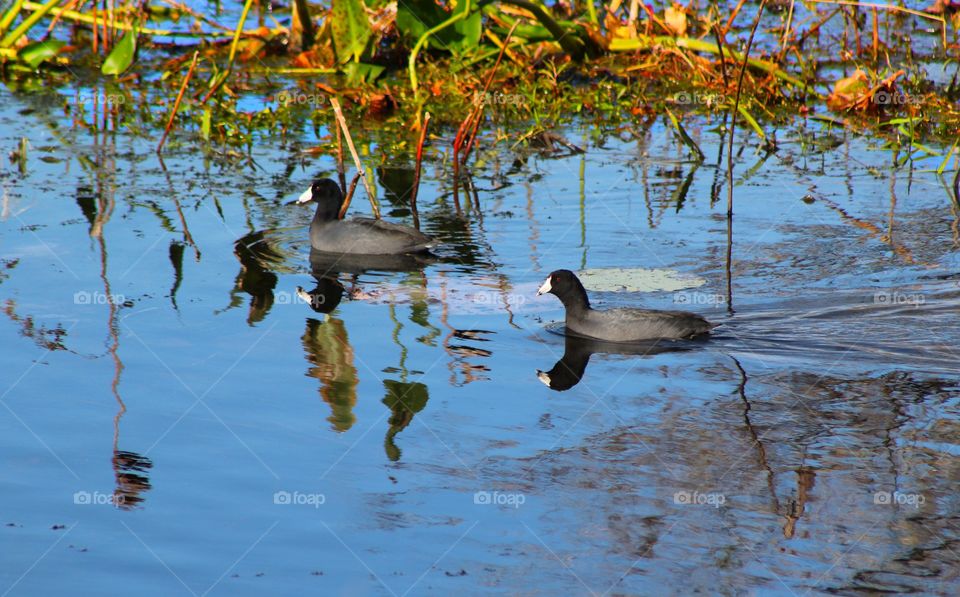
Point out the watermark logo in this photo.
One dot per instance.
(689, 98)
(699, 298)
(497, 298)
(297, 498)
(282, 297)
(97, 498)
(890, 498)
(498, 498)
(83, 297)
(695, 498)
(898, 298)
(498, 99)
(295, 98)
(88, 98)
(314, 300)
(895, 98)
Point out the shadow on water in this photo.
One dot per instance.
(333, 264)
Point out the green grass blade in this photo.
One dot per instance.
(946, 158)
(9, 16)
(752, 122)
(687, 140)
(21, 30)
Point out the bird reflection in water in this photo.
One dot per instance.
(569, 370)
(331, 356)
(328, 350)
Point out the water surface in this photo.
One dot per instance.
(175, 419)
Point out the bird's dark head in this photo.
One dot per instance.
(559, 282)
(326, 193)
(564, 284)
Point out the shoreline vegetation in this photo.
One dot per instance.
(208, 73)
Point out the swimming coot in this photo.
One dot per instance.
(356, 236)
(618, 325)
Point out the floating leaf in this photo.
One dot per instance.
(122, 55)
(35, 53)
(416, 16)
(351, 29)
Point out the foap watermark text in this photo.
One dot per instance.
(299, 498)
(899, 498)
(699, 298)
(97, 498)
(82, 297)
(697, 498)
(897, 298)
(499, 498)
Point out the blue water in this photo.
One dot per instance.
(403, 444)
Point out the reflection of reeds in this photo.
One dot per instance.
(404, 399)
(132, 481)
(129, 467)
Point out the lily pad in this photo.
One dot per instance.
(637, 280)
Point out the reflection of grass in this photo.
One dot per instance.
(331, 355)
(47, 338)
(404, 399)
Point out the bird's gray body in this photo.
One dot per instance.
(618, 325)
(367, 236)
(633, 325)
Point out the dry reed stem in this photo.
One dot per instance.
(416, 170)
(176, 104)
(338, 111)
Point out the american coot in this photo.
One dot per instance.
(356, 236)
(618, 325)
